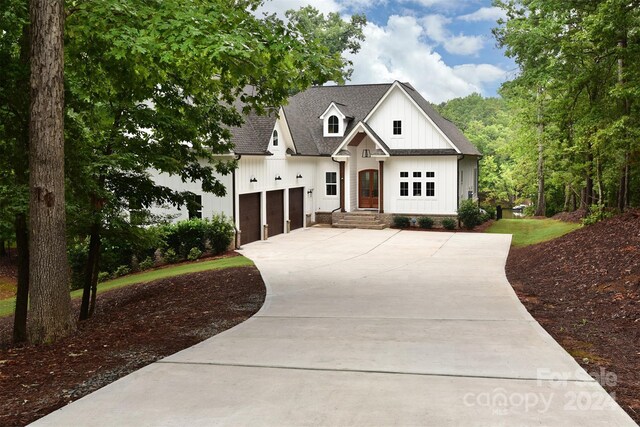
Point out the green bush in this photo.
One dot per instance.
(529, 210)
(490, 211)
(103, 276)
(219, 233)
(170, 256)
(425, 222)
(194, 254)
(449, 223)
(146, 264)
(596, 214)
(469, 214)
(122, 271)
(215, 234)
(401, 221)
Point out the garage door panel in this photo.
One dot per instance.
(275, 212)
(250, 218)
(296, 207)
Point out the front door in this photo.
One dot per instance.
(368, 189)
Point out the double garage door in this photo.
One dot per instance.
(250, 208)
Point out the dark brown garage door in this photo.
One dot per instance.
(249, 217)
(275, 212)
(296, 207)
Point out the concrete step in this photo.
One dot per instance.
(361, 217)
(364, 220)
(366, 226)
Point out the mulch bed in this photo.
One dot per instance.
(575, 216)
(478, 229)
(584, 289)
(132, 327)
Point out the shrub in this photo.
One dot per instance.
(425, 222)
(146, 264)
(529, 210)
(219, 233)
(596, 213)
(401, 221)
(469, 214)
(103, 276)
(449, 223)
(490, 211)
(194, 254)
(170, 256)
(121, 271)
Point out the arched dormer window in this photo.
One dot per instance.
(333, 124)
(274, 138)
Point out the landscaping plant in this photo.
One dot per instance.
(469, 214)
(425, 222)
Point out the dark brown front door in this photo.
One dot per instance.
(275, 212)
(249, 218)
(368, 188)
(296, 207)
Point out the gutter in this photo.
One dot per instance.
(460, 157)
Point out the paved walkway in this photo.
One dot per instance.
(368, 328)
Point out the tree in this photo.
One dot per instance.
(49, 291)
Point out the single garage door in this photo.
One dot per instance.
(249, 217)
(275, 212)
(296, 207)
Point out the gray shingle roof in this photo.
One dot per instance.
(356, 102)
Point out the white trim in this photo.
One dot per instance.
(415, 104)
(333, 104)
(286, 129)
(351, 135)
(331, 183)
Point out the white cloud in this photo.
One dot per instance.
(435, 27)
(484, 14)
(398, 51)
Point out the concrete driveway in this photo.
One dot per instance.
(370, 328)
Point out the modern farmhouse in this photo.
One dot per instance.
(378, 148)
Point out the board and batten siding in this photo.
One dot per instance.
(444, 202)
(417, 131)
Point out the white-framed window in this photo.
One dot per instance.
(404, 189)
(331, 183)
(430, 174)
(333, 124)
(417, 189)
(397, 127)
(417, 174)
(274, 138)
(430, 189)
(404, 174)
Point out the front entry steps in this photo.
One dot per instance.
(364, 220)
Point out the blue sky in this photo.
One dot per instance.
(442, 47)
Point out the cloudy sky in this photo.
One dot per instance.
(444, 48)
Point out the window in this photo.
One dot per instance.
(404, 174)
(194, 206)
(404, 189)
(331, 180)
(430, 189)
(333, 123)
(417, 174)
(430, 174)
(397, 127)
(275, 138)
(417, 189)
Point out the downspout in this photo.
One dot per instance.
(233, 195)
(460, 157)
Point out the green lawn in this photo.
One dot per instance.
(7, 305)
(531, 231)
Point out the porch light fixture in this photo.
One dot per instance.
(253, 179)
(278, 178)
(366, 153)
(298, 176)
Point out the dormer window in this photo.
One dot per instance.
(333, 125)
(274, 138)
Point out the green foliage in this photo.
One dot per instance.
(170, 256)
(400, 221)
(215, 234)
(490, 211)
(596, 214)
(449, 223)
(529, 210)
(219, 234)
(103, 277)
(122, 271)
(146, 264)
(469, 214)
(194, 254)
(425, 222)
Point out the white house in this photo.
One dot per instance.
(378, 148)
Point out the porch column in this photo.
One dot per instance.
(342, 187)
(381, 187)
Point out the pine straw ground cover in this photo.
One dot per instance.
(584, 289)
(132, 327)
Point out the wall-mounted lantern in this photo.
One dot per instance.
(299, 176)
(278, 178)
(253, 179)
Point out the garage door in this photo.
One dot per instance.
(275, 212)
(249, 218)
(296, 207)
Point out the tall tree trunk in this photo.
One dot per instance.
(541, 206)
(91, 273)
(22, 294)
(588, 191)
(50, 302)
(623, 191)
